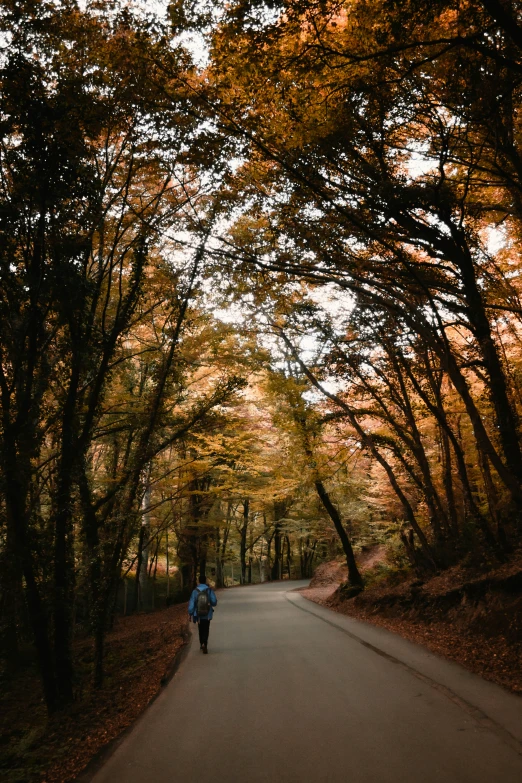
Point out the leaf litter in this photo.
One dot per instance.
(463, 614)
(140, 653)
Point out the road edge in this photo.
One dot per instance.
(496, 709)
(106, 751)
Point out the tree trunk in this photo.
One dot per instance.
(279, 513)
(447, 477)
(354, 577)
(288, 557)
(63, 533)
(493, 503)
(369, 442)
(306, 558)
(505, 415)
(276, 564)
(145, 528)
(138, 569)
(243, 541)
(509, 478)
(188, 579)
(439, 413)
(219, 561)
(11, 599)
(224, 542)
(168, 564)
(99, 642)
(269, 558)
(15, 495)
(63, 591)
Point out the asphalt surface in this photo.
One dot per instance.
(294, 693)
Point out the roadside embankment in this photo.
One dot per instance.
(473, 619)
(140, 654)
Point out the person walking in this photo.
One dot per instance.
(201, 609)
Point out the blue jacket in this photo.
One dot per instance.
(192, 608)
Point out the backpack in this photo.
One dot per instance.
(203, 603)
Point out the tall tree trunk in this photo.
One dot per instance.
(354, 576)
(369, 442)
(97, 599)
(288, 557)
(509, 478)
(493, 502)
(63, 534)
(63, 588)
(219, 561)
(447, 478)
(17, 526)
(224, 542)
(144, 597)
(100, 630)
(269, 567)
(251, 556)
(310, 561)
(243, 541)
(11, 598)
(167, 564)
(188, 578)
(439, 413)
(505, 415)
(276, 564)
(138, 569)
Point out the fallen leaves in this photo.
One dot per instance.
(141, 650)
(473, 619)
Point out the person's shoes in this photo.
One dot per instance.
(200, 646)
(205, 649)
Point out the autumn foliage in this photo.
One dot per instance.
(260, 300)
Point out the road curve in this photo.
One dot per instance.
(294, 693)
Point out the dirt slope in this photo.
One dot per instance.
(328, 576)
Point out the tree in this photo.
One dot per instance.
(306, 430)
(347, 122)
(85, 192)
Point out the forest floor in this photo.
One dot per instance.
(140, 655)
(469, 617)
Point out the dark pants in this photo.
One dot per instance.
(203, 628)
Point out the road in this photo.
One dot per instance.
(294, 693)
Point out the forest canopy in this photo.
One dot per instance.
(260, 299)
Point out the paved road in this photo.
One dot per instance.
(293, 693)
